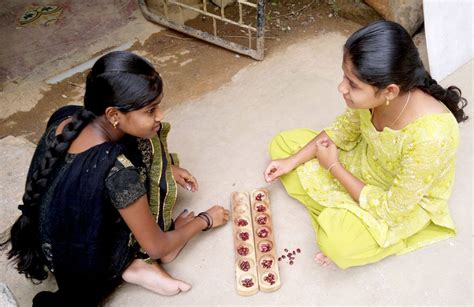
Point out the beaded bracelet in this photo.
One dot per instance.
(334, 164)
(206, 217)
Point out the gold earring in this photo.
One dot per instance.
(387, 102)
(115, 124)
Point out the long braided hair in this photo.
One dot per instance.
(383, 53)
(119, 79)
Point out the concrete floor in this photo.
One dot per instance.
(34, 52)
(222, 139)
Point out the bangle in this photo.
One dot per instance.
(206, 217)
(332, 165)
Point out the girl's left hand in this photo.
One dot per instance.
(327, 153)
(184, 178)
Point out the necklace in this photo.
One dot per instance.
(403, 109)
(399, 114)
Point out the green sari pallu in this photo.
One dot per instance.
(161, 185)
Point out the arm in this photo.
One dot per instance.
(422, 163)
(350, 182)
(327, 153)
(308, 152)
(280, 167)
(152, 239)
(344, 132)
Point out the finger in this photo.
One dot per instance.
(188, 185)
(270, 179)
(270, 169)
(322, 144)
(184, 213)
(269, 172)
(275, 175)
(195, 185)
(321, 147)
(192, 183)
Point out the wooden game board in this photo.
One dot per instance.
(256, 265)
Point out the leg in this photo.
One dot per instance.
(430, 234)
(153, 277)
(180, 221)
(290, 142)
(284, 145)
(344, 239)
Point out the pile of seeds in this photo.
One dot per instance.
(288, 256)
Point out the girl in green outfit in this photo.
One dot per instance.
(377, 181)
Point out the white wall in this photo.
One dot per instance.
(449, 35)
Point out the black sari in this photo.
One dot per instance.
(85, 242)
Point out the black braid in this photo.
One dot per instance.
(451, 97)
(24, 235)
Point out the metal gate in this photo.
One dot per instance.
(248, 17)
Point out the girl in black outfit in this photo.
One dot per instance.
(100, 192)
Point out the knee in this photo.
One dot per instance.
(275, 147)
(284, 144)
(334, 239)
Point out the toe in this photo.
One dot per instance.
(184, 287)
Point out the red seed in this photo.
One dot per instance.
(262, 220)
(242, 222)
(294, 253)
(283, 256)
(291, 262)
(247, 282)
(245, 265)
(262, 233)
(267, 263)
(279, 259)
(270, 278)
(259, 197)
(265, 247)
(244, 236)
(243, 250)
(298, 250)
(286, 250)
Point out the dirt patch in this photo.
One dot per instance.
(190, 67)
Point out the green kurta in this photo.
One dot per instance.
(408, 173)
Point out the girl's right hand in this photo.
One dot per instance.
(219, 215)
(277, 168)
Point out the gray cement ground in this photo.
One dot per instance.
(222, 139)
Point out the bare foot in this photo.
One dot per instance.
(180, 221)
(154, 278)
(322, 259)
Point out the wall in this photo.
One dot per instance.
(449, 34)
